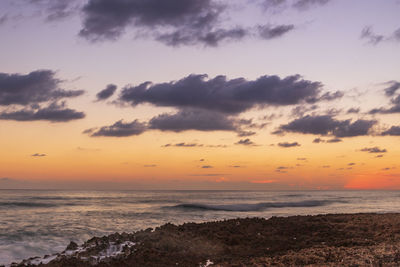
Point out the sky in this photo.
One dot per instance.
(200, 94)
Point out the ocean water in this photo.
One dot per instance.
(40, 222)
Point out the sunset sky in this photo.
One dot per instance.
(200, 94)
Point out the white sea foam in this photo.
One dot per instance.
(112, 250)
(45, 260)
(208, 263)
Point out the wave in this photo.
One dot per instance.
(153, 201)
(71, 198)
(255, 206)
(294, 195)
(33, 204)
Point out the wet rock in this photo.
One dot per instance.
(72, 246)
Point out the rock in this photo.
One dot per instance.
(72, 246)
(322, 240)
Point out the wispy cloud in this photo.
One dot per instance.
(38, 155)
(287, 144)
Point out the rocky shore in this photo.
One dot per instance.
(323, 240)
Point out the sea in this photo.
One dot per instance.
(43, 222)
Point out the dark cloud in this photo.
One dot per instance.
(199, 120)
(326, 125)
(318, 140)
(393, 86)
(326, 167)
(286, 144)
(334, 140)
(206, 167)
(38, 92)
(305, 4)
(332, 112)
(245, 142)
(372, 38)
(390, 91)
(282, 168)
(173, 22)
(221, 94)
(248, 123)
(104, 19)
(38, 155)
(184, 145)
(379, 156)
(271, 117)
(350, 129)
(394, 130)
(210, 38)
(351, 164)
(328, 96)
(301, 110)
(383, 111)
(106, 93)
(36, 87)
(271, 32)
(118, 129)
(312, 125)
(278, 132)
(395, 108)
(183, 120)
(373, 150)
(54, 112)
(353, 110)
(217, 146)
(246, 133)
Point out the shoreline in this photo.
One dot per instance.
(320, 240)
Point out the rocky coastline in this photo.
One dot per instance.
(322, 240)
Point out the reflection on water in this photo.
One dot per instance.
(39, 222)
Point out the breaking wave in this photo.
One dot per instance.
(253, 207)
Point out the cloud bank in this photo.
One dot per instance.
(214, 104)
(173, 22)
(224, 95)
(327, 125)
(118, 129)
(36, 96)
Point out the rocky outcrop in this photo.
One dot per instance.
(323, 240)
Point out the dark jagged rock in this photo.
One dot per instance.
(323, 240)
(72, 246)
